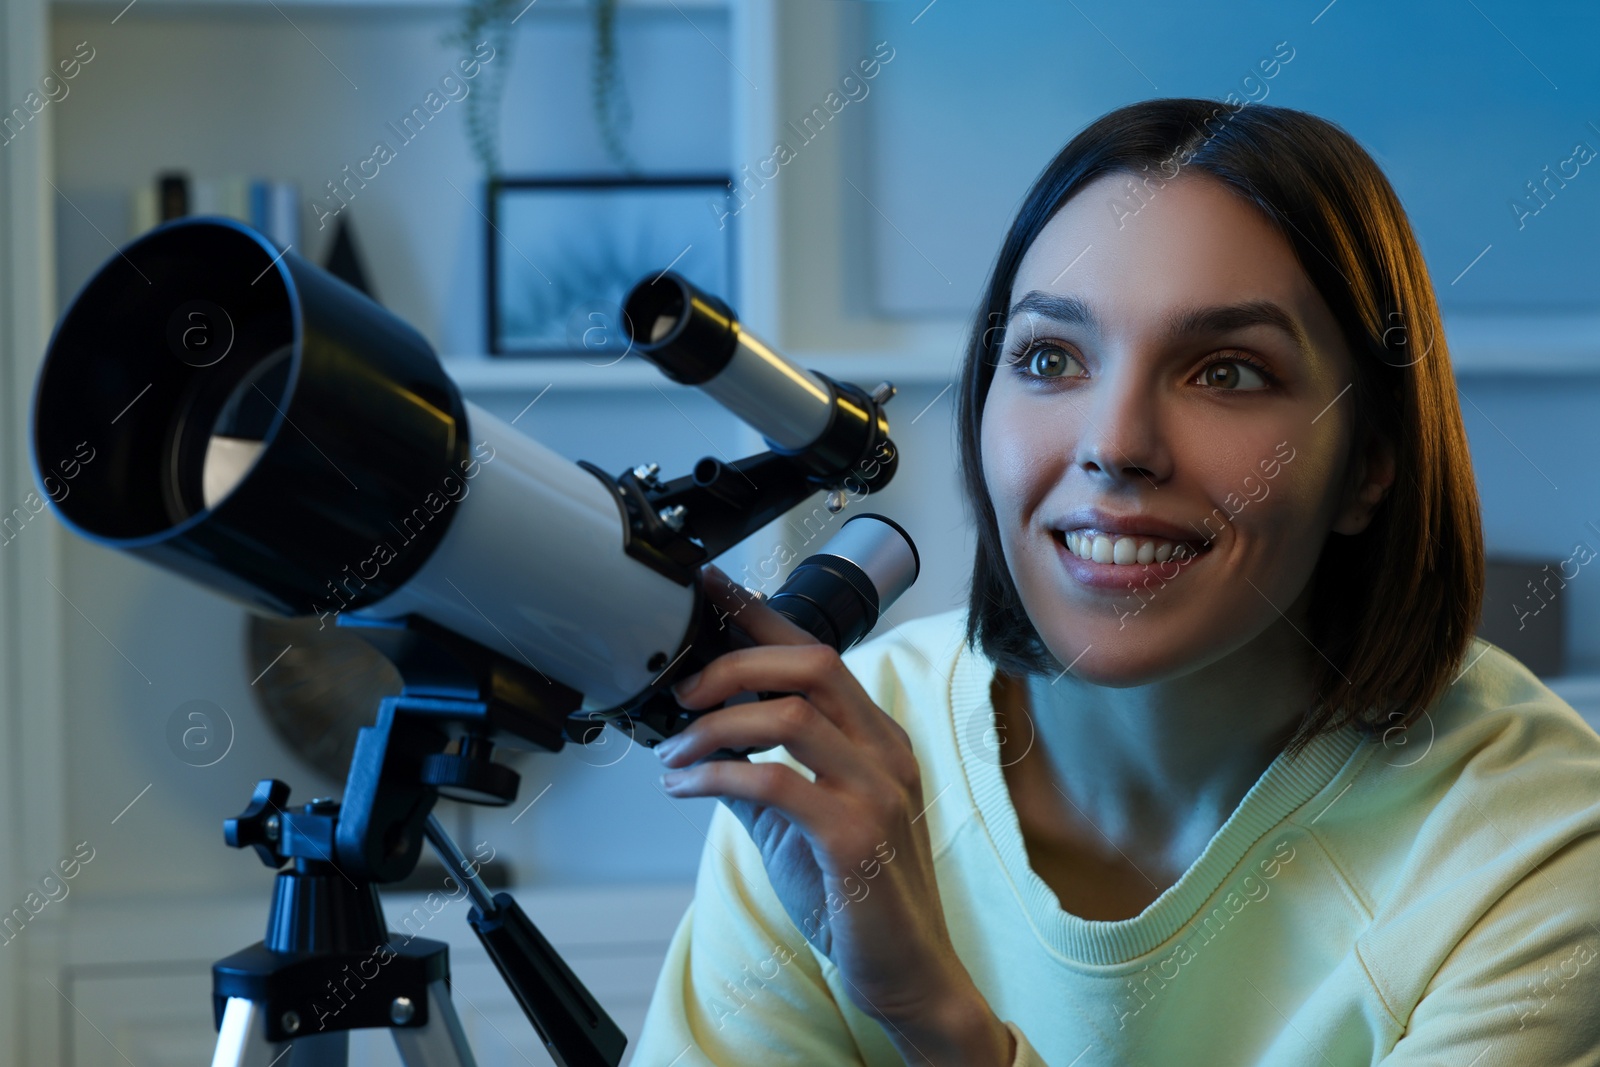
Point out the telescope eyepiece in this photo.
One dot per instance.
(689, 334)
(838, 594)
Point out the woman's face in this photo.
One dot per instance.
(1176, 370)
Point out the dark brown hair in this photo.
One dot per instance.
(1393, 608)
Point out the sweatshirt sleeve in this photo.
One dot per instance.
(1523, 986)
(740, 985)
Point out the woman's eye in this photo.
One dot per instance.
(1230, 373)
(1047, 361)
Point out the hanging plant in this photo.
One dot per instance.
(491, 20)
(487, 20)
(612, 113)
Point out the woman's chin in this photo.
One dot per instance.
(1120, 659)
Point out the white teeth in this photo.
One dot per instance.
(1125, 550)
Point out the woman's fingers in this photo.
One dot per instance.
(814, 670)
(750, 613)
(805, 669)
(769, 785)
(790, 721)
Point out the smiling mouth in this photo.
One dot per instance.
(1127, 550)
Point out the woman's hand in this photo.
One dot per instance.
(847, 854)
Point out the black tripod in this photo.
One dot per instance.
(328, 964)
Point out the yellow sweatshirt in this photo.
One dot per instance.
(1431, 898)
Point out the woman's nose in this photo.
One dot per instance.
(1120, 429)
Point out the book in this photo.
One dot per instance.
(268, 206)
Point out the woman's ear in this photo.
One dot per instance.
(1370, 482)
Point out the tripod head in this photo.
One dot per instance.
(326, 917)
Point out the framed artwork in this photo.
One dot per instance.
(564, 252)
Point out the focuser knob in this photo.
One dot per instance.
(260, 826)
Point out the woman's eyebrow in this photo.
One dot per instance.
(1064, 309)
(1074, 311)
(1223, 318)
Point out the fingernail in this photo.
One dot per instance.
(671, 778)
(669, 748)
(687, 685)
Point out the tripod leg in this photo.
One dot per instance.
(441, 1043)
(241, 1042)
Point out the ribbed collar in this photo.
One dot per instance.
(1283, 787)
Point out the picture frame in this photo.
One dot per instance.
(563, 252)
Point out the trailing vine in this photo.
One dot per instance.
(491, 20)
(487, 20)
(612, 113)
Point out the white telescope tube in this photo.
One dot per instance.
(532, 566)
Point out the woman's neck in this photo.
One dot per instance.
(1154, 770)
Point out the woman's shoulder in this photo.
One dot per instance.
(927, 678)
(918, 654)
(1501, 723)
(1497, 744)
(1494, 726)
(1472, 836)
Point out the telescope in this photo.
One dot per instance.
(270, 433)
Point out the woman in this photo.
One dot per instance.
(1212, 769)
